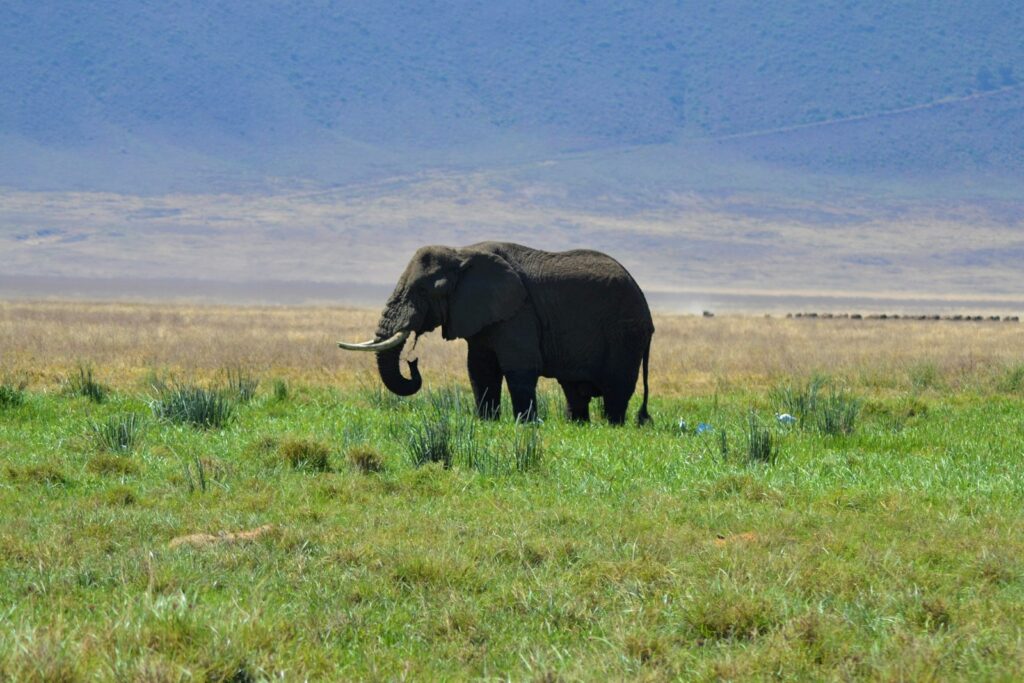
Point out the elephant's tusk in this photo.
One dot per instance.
(371, 345)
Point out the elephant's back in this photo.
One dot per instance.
(591, 311)
(588, 287)
(594, 281)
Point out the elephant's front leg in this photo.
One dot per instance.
(485, 378)
(522, 386)
(516, 344)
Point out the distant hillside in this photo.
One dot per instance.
(146, 96)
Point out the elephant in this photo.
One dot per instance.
(576, 316)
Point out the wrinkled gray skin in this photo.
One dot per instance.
(576, 316)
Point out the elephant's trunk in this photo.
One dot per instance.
(400, 319)
(391, 375)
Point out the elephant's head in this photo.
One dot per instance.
(460, 290)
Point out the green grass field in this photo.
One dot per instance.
(893, 552)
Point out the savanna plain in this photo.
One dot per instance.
(219, 493)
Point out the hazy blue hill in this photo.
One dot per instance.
(143, 95)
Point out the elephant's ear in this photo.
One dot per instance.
(488, 291)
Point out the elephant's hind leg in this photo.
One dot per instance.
(485, 378)
(617, 392)
(577, 400)
(615, 409)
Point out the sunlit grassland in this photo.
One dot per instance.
(891, 552)
(125, 344)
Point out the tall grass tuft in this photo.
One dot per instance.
(84, 384)
(446, 431)
(799, 401)
(197, 481)
(762, 445)
(241, 385)
(192, 405)
(819, 405)
(119, 433)
(11, 395)
(431, 441)
(485, 459)
(527, 448)
(280, 390)
(838, 413)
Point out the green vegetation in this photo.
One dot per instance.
(280, 390)
(11, 395)
(365, 459)
(189, 404)
(837, 412)
(892, 550)
(82, 383)
(1013, 381)
(303, 454)
(819, 404)
(762, 445)
(242, 385)
(119, 433)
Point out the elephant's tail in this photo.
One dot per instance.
(643, 417)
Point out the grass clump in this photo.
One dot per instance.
(432, 441)
(120, 496)
(119, 433)
(799, 401)
(1013, 381)
(241, 384)
(732, 616)
(11, 395)
(645, 650)
(84, 384)
(279, 389)
(192, 405)
(365, 459)
(762, 445)
(45, 473)
(305, 454)
(837, 413)
(820, 405)
(527, 448)
(195, 477)
(446, 430)
(111, 465)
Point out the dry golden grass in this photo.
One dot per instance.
(44, 341)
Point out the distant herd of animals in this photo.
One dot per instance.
(897, 316)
